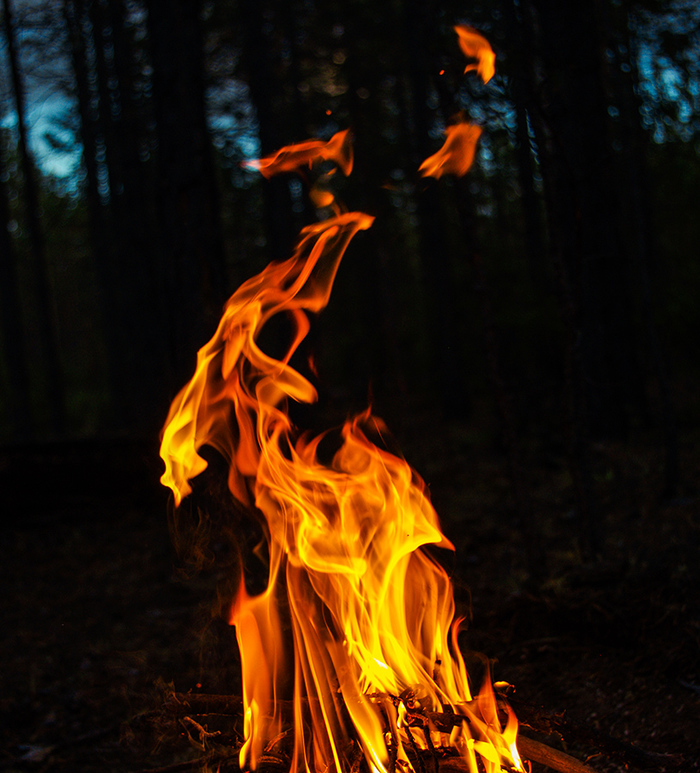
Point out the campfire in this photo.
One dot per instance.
(373, 640)
(350, 655)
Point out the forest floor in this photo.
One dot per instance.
(97, 625)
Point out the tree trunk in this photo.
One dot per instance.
(562, 224)
(273, 129)
(568, 44)
(47, 329)
(191, 242)
(19, 418)
(435, 254)
(74, 14)
(634, 195)
(534, 239)
(92, 136)
(501, 390)
(131, 273)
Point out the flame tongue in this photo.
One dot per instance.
(293, 157)
(475, 46)
(370, 611)
(235, 381)
(457, 153)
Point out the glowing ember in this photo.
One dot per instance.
(356, 620)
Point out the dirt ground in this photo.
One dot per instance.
(97, 626)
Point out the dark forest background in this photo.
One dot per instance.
(529, 332)
(547, 299)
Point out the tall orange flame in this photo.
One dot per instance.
(370, 612)
(457, 153)
(475, 46)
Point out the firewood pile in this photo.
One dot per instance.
(193, 715)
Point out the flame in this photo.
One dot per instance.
(292, 157)
(369, 612)
(475, 46)
(457, 153)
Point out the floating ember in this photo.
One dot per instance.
(356, 615)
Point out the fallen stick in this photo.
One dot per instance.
(534, 751)
(551, 758)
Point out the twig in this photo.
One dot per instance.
(197, 703)
(186, 722)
